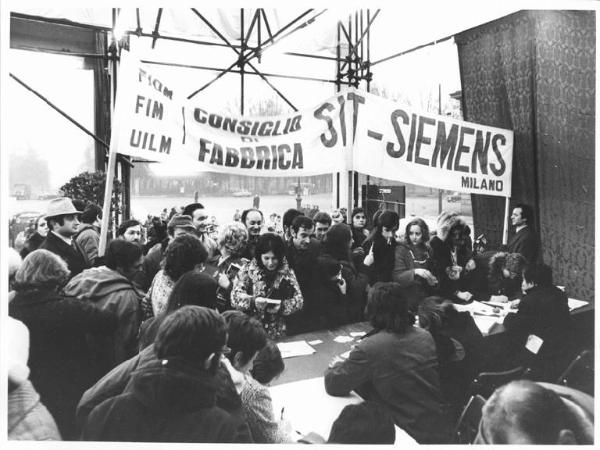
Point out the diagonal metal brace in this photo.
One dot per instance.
(155, 34)
(68, 117)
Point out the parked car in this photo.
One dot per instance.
(47, 196)
(20, 222)
(21, 191)
(454, 197)
(242, 193)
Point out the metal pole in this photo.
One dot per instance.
(440, 113)
(258, 31)
(505, 231)
(298, 195)
(418, 47)
(266, 74)
(335, 177)
(356, 50)
(112, 155)
(60, 111)
(242, 60)
(365, 200)
(253, 53)
(346, 174)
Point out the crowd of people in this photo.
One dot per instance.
(169, 335)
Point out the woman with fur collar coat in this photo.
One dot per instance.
(452, 256)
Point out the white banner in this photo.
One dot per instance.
(352, 131)
(396, 143)
(156, 123)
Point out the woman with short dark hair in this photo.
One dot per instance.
(266, 287)
(193, 288)
(256, 398)
(61, 362)
(185, 253)
(395, 365)
(459, 345)
(337, 244)
(379, 263)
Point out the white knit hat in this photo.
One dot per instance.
(17, 351)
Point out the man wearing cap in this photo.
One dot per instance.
(178, 225)
(63, 224)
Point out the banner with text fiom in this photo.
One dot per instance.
(352, 131)
(154, 122)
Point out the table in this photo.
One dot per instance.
(310, 409)
(490, 323)
(301, 389)
(313, 366)
(307, 405)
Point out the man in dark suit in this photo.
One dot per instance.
(525, 241)
(301, 252)
(63, 224)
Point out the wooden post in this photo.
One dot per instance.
(108, 189)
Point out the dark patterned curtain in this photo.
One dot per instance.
(534, 72)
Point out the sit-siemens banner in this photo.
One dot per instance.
(352, 130)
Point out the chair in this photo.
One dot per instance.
(580, 373)
(487, 382)
(468, 424)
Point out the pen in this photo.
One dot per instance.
(282, 410)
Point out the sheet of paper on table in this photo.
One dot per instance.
(343, 339)
(309, 408)
(574, 304)
(296, 348)
(486, 323)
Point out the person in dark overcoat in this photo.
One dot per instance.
(62, 365)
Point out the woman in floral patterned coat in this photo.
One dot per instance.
(266, 287)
